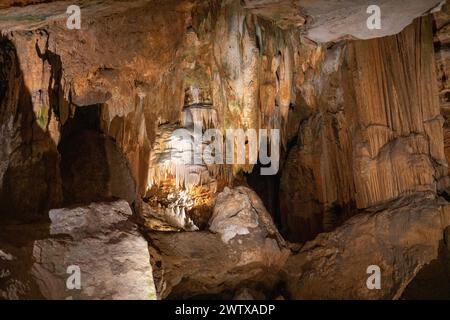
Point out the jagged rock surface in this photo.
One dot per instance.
(208, 264)
(216, 50)
(360, 125)
(442, 54)
(324, 21)
(374, 135)
(237, 212)
(29, 162)
(16, 247)
(112, 256)
(401, 238)
(442, 51)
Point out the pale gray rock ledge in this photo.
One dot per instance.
(111, 254)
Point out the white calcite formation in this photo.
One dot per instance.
(172, 217)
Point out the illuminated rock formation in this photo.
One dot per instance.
(244, 248)
(374, 144)
(97, 243)
(91, 116)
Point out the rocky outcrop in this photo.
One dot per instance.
(28, 159)
(60, 77)
(246, 251)
(442, 54)
(16, 252)
(111, 255)
(250, 73)
(237, 212)
(200, 264)
(98, 244)
(365, 143)
(89, 115)
(203, 57)
(400, 238)
(324, 21)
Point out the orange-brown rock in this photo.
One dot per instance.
(87, 115)
(29, 162)
(244, 250)
(376, 134)
(400, 238)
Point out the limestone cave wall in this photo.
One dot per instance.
(87, 123)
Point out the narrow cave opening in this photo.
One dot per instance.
(92, 166)
(267, 187)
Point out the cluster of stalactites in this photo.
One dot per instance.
(202, 116)
(273, 120)
(172, 157)
(175, 213)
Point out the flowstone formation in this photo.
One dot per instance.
(182, 185)
(107, 163)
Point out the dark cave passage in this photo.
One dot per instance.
(92, 166)
(267, 187)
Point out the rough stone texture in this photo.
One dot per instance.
(206, 264)
(16, 247)
(238, 211)
(324, 20)
(442, 54)
(28, 157)
(196, 264)
(108, 72)
(319, 20)
(375, 134)
(113, 257)
(233, 59)
(10, 3)
(360, 126)
(407, 126)
(401, 238)
(253, 73)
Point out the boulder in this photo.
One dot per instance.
(245, 249)
(240, 211)
(400, 238)
(107, 249)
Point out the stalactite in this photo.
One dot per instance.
(200, 116)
